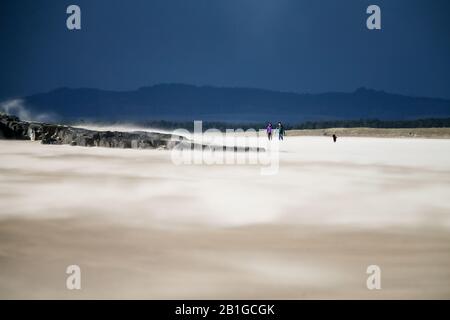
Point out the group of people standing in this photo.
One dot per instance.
(270, 129)
(281, 131)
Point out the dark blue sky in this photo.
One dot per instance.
(288, 45)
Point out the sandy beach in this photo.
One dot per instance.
(141, 227)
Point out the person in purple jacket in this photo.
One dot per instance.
(269, 130)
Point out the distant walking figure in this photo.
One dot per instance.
(334, 137)
(269, 131)
(280, 131)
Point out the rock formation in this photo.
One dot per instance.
(11, 127)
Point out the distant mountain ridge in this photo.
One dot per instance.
(189, 102)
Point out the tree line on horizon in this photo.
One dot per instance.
(307, 125)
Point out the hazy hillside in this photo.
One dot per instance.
(187, 102)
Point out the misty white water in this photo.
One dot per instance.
(358, 181)
(119, 127)
(141, 227)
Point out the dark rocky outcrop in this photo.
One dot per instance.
(11, 127)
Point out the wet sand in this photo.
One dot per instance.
(141, 227)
